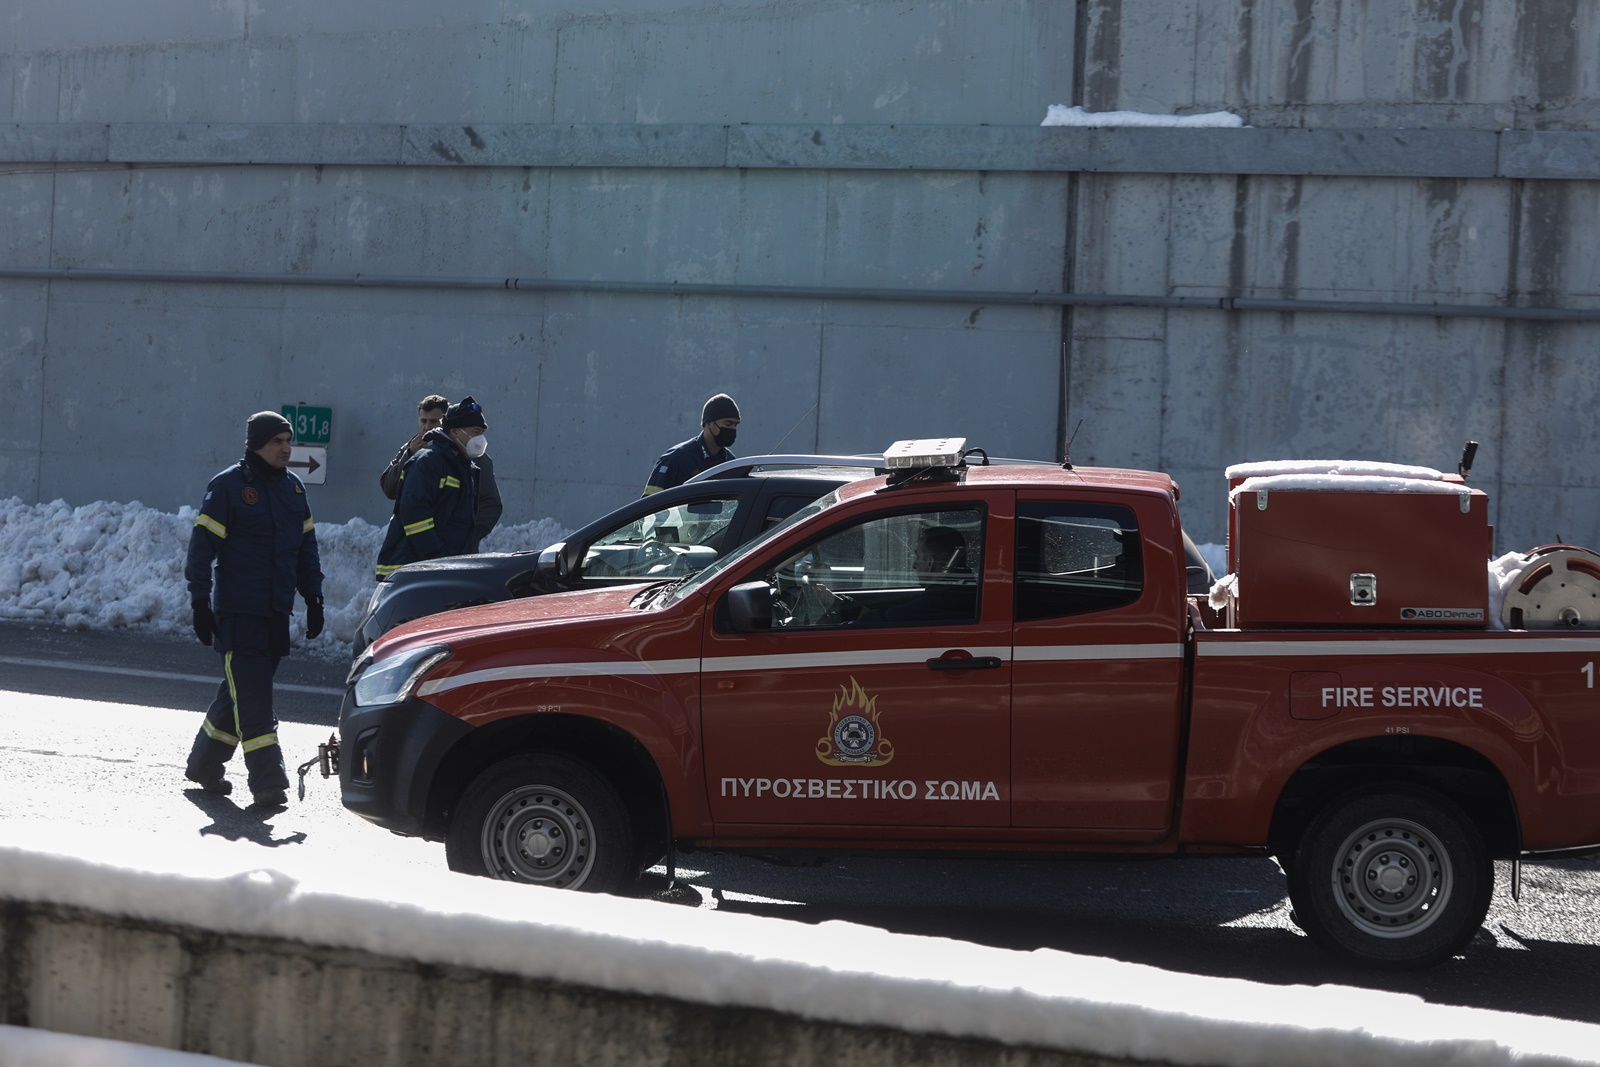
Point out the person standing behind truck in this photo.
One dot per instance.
(719, 423)
(436, 512)
(430, 413)
(255, 526)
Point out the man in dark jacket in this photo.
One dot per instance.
(719, 425)
(436, 512)
(255, 529)
(430, 413)
(490, 506)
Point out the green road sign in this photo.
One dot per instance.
(312, 426)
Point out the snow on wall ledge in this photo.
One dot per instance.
(1062, 115)
(834, 973)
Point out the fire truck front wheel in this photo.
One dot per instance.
(1391, 876)
(546, 819)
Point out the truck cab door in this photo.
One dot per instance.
(880, 694)
(1099, 664)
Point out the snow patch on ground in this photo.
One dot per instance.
(112, 566)
(22, 1046)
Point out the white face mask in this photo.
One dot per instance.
(477, 446)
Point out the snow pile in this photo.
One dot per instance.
(1346, 483)
(22, 1046)
(922, 984)
(1360, 468)
(111, 566)
(1062, 115)
(1505, 573)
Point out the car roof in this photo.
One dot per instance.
(812, 482)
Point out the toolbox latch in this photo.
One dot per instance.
(1364, 590)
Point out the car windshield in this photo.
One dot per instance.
(732, 559)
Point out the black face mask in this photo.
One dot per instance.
(725, 437)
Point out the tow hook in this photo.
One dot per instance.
(327, 759)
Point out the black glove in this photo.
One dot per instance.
(205, 623)
(313, 618)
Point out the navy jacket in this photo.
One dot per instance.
(255, 525)
(681, 462)
(436, 512)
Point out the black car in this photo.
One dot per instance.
(663, 535)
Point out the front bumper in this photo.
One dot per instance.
(389, 759)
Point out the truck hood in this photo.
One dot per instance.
(490, 620)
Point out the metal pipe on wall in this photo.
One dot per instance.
(809, 292)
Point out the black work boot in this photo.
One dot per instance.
(272, 798)
(218, 785)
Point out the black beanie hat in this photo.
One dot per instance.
(262, 427)
(465, 413)
(720, 406)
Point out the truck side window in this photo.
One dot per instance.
(1074, 558)
(905, 569)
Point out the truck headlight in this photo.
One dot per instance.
(391, 679)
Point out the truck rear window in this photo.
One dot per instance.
(1074, 558)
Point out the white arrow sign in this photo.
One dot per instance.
(311, 464)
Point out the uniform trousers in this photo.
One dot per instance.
(241, 715)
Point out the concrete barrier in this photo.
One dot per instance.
(284, 1003)
(197, 948)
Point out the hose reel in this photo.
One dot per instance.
(1558, 588)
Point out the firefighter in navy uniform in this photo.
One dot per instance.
(435, 513)
(719, 425)
(255, 526)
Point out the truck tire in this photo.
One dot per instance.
(544, 819)
(1391, 876)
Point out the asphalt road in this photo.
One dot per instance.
(94, 727)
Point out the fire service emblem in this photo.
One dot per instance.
(854, 737)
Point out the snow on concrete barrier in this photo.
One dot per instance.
(207, 951)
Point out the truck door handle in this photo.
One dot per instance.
(968, 663)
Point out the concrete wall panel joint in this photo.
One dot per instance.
(1375, 152)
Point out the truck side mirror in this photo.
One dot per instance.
(750, 607)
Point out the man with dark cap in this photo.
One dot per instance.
(719, 423)
(255, 532)
(430, 414)
(436, 512)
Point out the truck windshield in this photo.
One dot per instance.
(734, 558)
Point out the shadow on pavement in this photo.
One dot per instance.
(232, 823)
(1223, 918)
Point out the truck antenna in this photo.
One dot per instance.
(1468, 454)
(1066, 458)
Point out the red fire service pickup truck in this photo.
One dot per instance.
(961, 657)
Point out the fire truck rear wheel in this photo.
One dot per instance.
(545, 819)
(1391, 876)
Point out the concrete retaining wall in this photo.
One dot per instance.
(841, 211)
(288, 1004)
